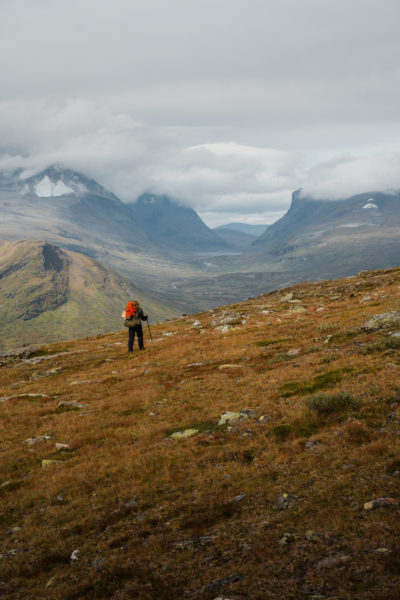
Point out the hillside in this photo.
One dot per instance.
(250, 452)
(176, 227)
(48, 294)
(332, 238)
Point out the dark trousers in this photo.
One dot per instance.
(132, 330)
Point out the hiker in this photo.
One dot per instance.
(134, 316)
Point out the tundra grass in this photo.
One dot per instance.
(153, 517)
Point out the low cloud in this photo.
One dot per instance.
(222, 180)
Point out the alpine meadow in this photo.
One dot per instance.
(200, 300)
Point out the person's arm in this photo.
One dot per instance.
(142, 315)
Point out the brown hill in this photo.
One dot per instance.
(48, 294)
(293, 494)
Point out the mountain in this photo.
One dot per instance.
(332, 238)
(176, 227)
(49, 294)
(74, 212)
(251, 453)
(254, 230)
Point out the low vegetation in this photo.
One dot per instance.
(326, 404)
(269, 504)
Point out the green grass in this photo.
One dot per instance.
(292, 388)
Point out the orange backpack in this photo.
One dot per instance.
(132, 310)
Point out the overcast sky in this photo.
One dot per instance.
(228, 105)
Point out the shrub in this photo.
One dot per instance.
(326, 404)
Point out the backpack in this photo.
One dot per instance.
(132, 318)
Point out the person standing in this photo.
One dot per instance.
(134, 316)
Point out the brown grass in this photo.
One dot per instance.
(156, 518)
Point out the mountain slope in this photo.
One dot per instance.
(48, 294)
(286, 486)
(332, 238)
(176, 227)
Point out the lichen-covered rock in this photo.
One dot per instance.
(286, 539)
(177, 435)
(231, 417)
(382, 320)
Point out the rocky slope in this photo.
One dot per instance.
(49, 294)
(251, 452)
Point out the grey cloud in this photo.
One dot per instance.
(227, 105)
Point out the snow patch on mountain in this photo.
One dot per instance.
(46, 188)
(370, 204)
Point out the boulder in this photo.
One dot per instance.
(382, 320)
(231, 417)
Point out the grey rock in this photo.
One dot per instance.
(311, 445)
(285, 501)
(84, 381)
(74, 556)
(333, 560)
(63, 447)
(40, 438)
(239, 498)
(380, 503)
(14, 530)
(294, 352)
(225, 318)
(70, 404)
(382, 320)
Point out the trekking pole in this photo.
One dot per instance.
(149, 329)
